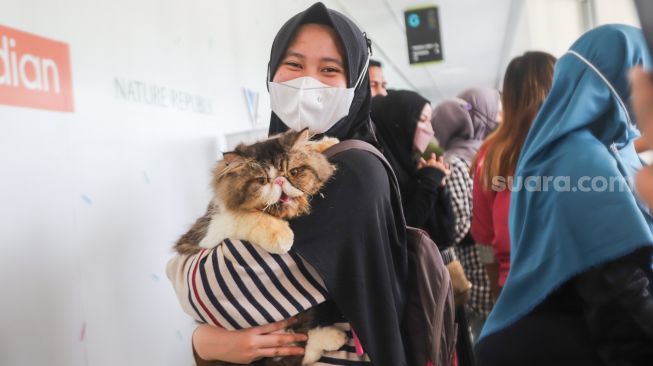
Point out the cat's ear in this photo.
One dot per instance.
(232, 158)
(300, 139)
(231, 162)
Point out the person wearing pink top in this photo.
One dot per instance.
(525, 85)
(490, 224)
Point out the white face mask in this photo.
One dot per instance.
(306, 102)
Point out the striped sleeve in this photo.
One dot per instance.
(238, 285)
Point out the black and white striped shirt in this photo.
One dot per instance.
(238, 285)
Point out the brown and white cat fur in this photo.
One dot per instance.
(256, 188)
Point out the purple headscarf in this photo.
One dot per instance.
(461, 124)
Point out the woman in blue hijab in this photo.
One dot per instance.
(578, 292)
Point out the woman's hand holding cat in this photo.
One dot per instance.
(247, 345)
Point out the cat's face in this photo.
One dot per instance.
(276, 176)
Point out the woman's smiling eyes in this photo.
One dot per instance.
(327, 70)
(331, 69)
(293, 64)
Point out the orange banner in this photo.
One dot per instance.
(34, 71)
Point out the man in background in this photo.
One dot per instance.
(377, 80)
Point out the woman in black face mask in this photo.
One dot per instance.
(355, 236)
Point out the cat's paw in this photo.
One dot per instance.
(279, 240)
(207, 243)
(322, 339)
(328, 338)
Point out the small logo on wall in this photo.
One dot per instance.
(34, 71)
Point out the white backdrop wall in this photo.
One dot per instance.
(91, 201)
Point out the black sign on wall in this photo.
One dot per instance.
(423, 35)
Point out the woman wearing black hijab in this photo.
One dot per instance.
(425, 199)
(402, 120)
(355, 235)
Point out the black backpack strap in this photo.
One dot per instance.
(362, 145)
(428, 269)
(355, 144)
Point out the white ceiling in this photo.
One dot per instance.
(473, 42)
(473, 37)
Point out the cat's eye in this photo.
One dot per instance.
(294, 171)
(262, 181)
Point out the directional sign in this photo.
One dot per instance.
(423, 35)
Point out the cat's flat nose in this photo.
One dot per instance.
(280, 181)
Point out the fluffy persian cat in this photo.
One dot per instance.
(256, 189)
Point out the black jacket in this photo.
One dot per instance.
(355, 235)
(426, 204)
(603, 317)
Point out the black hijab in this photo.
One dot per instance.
(426, 204)
(356, 46)
(355, 235)
(396, 116)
